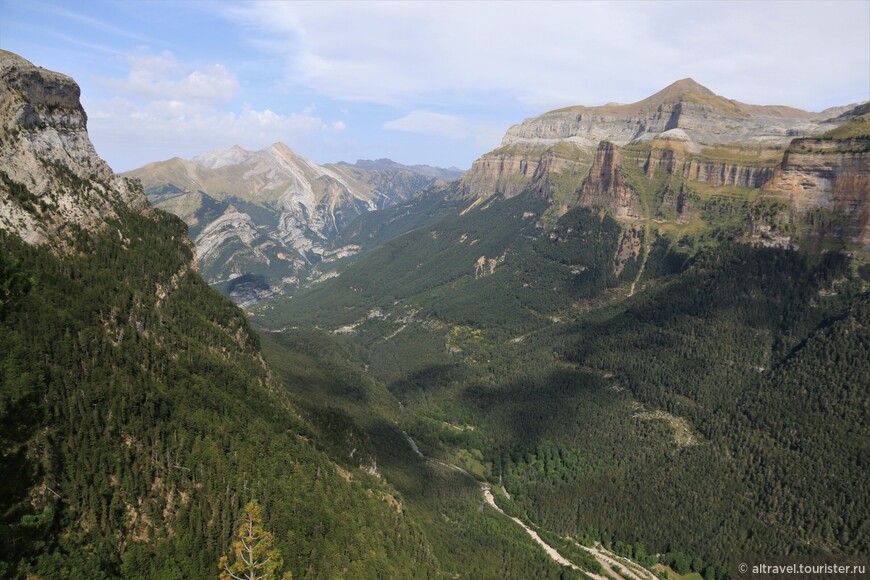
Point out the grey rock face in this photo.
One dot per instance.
(50, 174)
(684, 112)
(273, 213)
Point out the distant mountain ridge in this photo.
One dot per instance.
(449, 174)
(267, 218)
(647, 324)
(671, 157)
(684, 112)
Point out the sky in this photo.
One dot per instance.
(418, 82)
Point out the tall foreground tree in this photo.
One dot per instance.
(252, 556)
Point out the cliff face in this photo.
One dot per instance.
(831, 175)
(510, 170)
(507, 173)
(685, 112)
(708, 171)
(608, 187)
(690, 110)
(817, 194)
(50, 174)
(668, 177)
(722, 174)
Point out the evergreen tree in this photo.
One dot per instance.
(253, 557)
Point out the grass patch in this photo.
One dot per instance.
(856, 128)
(751, 156)
(684, 434)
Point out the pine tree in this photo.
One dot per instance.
(252, 555)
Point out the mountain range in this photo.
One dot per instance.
(694, 141)
(656, 342)
(270, 220)
(635, 335)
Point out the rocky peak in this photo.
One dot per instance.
(686, 86)
(684, 111)
(217, 158)
(683, 90)
(50, 174)
(283, 151)
(704, 117)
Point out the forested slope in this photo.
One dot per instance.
(137, 416)
(719, 411)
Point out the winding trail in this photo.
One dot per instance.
(550, 550)
(609, 561)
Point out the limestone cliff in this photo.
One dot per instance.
(685, 113)
(555, 170)
(50, 175)
(832, 174)
(746, 173)
(607, 186)
(668, 177)
(502, 171)
(687, 109)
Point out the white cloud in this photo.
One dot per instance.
(163, 77)
(127, 133)
(450, 126)
(164, 108)
(481, 65)
(558, 53)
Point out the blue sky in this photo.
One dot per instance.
(418, 82)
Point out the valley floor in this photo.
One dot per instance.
(607, 559)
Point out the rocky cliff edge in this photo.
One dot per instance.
(51, 178)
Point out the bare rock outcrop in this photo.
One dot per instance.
(684, 112)
(607, 185)
(50, 175)
(831, 175)
(716, 173)
(507, 173)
